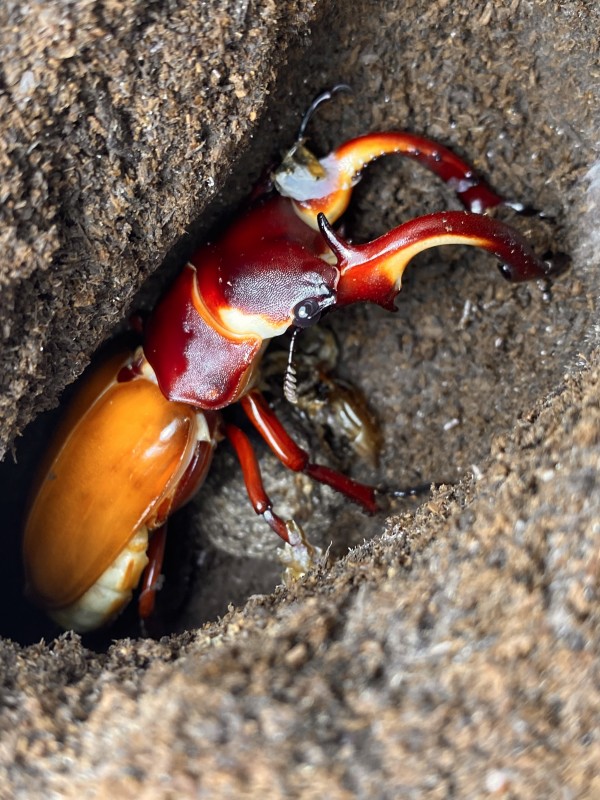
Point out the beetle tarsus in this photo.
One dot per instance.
(558, 263)
(528, 211)
(418, 490)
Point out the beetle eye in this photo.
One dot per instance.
(306, 313)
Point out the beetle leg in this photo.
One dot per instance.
(190, 482)
(298, 555)
(150, 582)
(260, 500)
(297, 459)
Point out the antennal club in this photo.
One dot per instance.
(290, 381)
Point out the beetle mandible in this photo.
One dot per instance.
(136, 441)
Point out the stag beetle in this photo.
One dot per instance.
(137, 440)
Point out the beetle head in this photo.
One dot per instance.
(265, 290)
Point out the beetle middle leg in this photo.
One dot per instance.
(298, 555)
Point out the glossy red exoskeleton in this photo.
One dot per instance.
(137, 440)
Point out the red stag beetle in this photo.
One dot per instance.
(137, 440)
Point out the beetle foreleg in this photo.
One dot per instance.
(297, 459)
(298, 554)
(261, 502)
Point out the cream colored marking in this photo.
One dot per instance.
(392, 264)
(237, 328)
(332, 206)
(202, 431)
(145, 368)
(237, 322)
(111, 592)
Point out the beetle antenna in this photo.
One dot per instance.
(324, 97)
(290, 381)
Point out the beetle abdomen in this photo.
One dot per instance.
(114, 473)
(111, 592)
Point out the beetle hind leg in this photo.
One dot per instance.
(151, 577)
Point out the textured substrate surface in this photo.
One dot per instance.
(458, 653)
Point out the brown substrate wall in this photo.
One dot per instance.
(458, 653)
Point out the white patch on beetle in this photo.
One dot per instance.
(303, 177)
(111, 592)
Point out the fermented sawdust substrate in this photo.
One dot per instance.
(457, 653)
